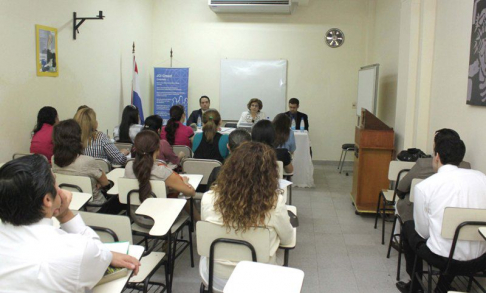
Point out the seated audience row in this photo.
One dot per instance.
(36, 256)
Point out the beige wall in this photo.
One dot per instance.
(450, 79)
(95, 69)
(324, 79)
(383, 44)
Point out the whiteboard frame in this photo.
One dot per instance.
(376, 67)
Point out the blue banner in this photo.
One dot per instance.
(170, 88)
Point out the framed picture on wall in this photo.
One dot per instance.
(476, 88)
(46, 51)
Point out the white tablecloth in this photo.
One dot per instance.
(303, 168)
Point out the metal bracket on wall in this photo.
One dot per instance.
(76, 26)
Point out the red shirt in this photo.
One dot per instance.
(182, 135)
(42, 142)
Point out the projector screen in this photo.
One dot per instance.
(242, 80)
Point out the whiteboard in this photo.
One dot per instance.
(242, 80)
(367, 88)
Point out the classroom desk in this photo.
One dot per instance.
(265, 278)
(113, 176)
(482, 232)
(194, 179)
(117, 285)
(164, 212)
(79, 200)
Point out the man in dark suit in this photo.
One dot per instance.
(204, 102)
(298, 116)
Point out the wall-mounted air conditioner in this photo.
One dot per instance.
(251, 6)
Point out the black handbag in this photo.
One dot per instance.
(411, 155)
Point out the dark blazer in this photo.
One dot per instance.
(299, 117)
(193, 117)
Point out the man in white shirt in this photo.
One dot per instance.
(36, 256)
(450, 187)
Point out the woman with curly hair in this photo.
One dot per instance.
(247, 195)
(175, 132)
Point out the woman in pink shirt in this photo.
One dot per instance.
(42, 139)
(175, 132)
(166, 153)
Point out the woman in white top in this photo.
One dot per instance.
(129, 126)
(247, 195)
(254, 113)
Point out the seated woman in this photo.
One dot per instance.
(144, 168)
(254, 113)
(247, 195)
(95, 143)
(41, 142)
(284, 136)
(264, 132)
(68, 159)
(210, 144)
(129, 126)
(175, 132)
(166, 153)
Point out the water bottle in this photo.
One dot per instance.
(199, 121)
(292, 125)
(302, 125)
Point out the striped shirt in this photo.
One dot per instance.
(102, 147)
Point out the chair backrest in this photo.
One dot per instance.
(74, 183)
(412, 188)
(18, 155)
(396, 166)
(104, 165)
(280, 169)
(200, 166)
(453, 217)
(123, 145)
(259, 237)
(183, 148)
(118, 224)
(128, 185)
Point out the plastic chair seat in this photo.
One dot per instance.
(348, 146)
(388, 194)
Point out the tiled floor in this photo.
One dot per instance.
(338, 251)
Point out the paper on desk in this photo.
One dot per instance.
(120, 247)
(282, 183)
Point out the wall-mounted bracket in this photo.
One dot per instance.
(76, 26)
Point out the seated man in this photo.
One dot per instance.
(421, 170)
(235, 138)
(450, 187)
(296, 115)
(204, 102)
(36, 256)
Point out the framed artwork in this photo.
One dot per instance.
(46, 51)
(476, 88)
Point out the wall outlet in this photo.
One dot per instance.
(353, 105)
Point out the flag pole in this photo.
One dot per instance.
(170, 57)
(133, 70)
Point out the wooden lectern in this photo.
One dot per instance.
(374, 142)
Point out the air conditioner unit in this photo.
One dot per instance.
(251, 6)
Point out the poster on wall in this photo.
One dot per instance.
(170, 88)
(476, 89)
(46, 51)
